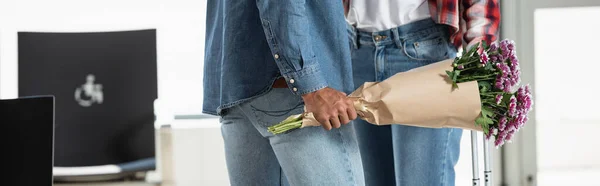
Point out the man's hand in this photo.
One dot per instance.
(330, 107)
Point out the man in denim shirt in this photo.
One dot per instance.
(266, 60)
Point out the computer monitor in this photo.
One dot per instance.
(105, 84)
(27, 138)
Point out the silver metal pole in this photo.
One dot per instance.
(487, 169)
(475, 158)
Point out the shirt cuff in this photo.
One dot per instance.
(304, 81)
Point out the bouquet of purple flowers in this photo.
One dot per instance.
(476, 91)
(504, 110)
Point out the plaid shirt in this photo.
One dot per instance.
(471, 21)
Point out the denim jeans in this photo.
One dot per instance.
(403, 155)
(307, 156)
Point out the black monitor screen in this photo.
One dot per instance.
(27, 138)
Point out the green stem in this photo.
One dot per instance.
(484, 76)
(497, 107)
(488, 76)
(284, 127)
(488, 100)
(472, 79)
(469, 62)
(468, 68)
(491, 93)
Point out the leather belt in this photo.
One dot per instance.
(280, 83)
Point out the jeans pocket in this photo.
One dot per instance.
(432, 47)
(269, 116)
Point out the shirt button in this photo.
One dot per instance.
(292, 81)
(295, 89)
(276, 56)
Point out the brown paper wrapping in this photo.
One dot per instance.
(421, 97)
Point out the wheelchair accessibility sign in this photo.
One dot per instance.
(89, 93)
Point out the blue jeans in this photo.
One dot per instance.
(307, 156)
(403, 155)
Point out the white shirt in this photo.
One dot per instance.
(378, 15)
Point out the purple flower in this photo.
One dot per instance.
(520, 121)
(504, 46)
(498, 99)
(524, 94)
(489, 134)
(514, 65)
(511, 45)
(503, 81)
(506, 55)
(510, 135)
(501, 58)
(509, 82)
(512, 124)
(513, 100)
(507, 49)
(521, 92)
(499, 82)
(508, 85)
(460, 67)
(524, 101)
(514, 61)
(500, 139)
(525, 119)
(502, 124)
(493, 58)
(527, 89)
(484, 58)
(507, 44)
(493, 47)
(499, 85)
(512, 107)
(503, 68)
(513, 55)
(508, 77)
(516, 74)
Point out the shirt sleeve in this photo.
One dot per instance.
(286, 26)
(482, 19)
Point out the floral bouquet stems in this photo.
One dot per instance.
(292, 122)
(476, 91)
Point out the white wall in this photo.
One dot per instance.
(180, 37)
(567, 114)
(555, 40)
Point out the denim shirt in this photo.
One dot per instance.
(251, 43)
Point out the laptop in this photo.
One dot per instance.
(105, 85)
(27, 140)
